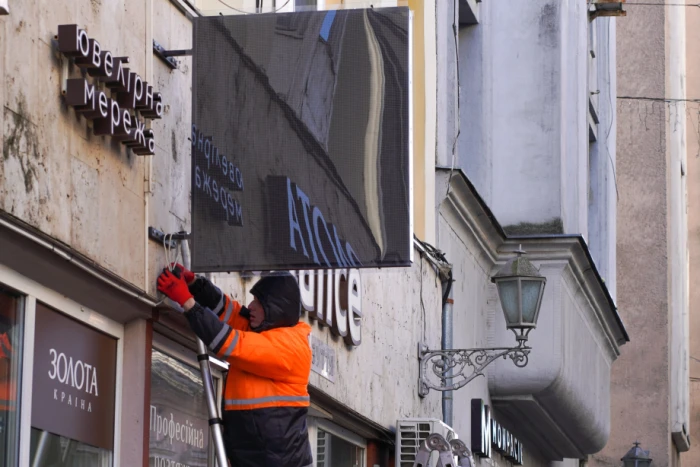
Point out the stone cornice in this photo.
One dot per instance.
(464, 204)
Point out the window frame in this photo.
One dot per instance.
(188, 356)
(339, 432)
(31, 292)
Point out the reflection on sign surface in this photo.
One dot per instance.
(179, 429)
(300, 141)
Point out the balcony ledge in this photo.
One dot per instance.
(559, 404)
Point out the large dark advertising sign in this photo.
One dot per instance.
(300, 141)
(74, 379)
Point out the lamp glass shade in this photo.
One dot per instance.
(508, 293)
(531, 291)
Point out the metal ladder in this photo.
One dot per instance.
(447, 452)
(215, 422)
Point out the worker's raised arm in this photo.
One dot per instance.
(210, 296)
(204, 322)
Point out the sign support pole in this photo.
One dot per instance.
(215, 422)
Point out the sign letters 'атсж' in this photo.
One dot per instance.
(115, 98)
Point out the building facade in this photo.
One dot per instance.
(650, 396)
(537, 140)
(692, 89)
(98, 369)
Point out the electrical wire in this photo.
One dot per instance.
(665, 4)
(612, 111)
(656, 99)
(459, 98)
(251, 13)
(167, 241)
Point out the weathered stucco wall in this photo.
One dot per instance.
(640, 377)
(523, 140)
(55, 174)
(692, 457)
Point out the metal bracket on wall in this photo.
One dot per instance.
(167, 55)
(606, 8)
(159, 236)
(451, 369)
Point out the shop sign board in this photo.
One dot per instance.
(74, 379)
(324, 360)
(116, 98)
(488, 434)
(312, 172)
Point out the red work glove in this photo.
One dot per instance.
(174, 287)
(181, 271)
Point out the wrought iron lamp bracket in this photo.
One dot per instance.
(455, 368)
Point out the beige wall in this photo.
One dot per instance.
(640, 377)
(693, 171)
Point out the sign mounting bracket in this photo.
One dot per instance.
(167, 55)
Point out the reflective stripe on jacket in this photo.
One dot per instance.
(267, 369)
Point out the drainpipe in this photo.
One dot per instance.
(444, 269)
(447, 321)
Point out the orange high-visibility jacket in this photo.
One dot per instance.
(266, 399)
(268, 369)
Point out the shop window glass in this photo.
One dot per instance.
(11, 333)
(179, 427)
(334, 451)
(49, 450)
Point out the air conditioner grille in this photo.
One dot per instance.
(321, 441)
(412, 435)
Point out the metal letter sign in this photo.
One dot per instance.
(300, 141)
(488, 433)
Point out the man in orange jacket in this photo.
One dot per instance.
(266, 398)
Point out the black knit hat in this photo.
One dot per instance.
(280, 298)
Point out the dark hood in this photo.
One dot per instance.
(281, 300)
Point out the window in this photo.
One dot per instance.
(73, 392)
(337, 447)
(60, 383)
(49, 450)
(179, 419)
(11, 332)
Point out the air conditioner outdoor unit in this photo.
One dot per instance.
(411, 432)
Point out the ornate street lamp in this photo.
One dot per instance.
(636, 457)
(520, 288)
